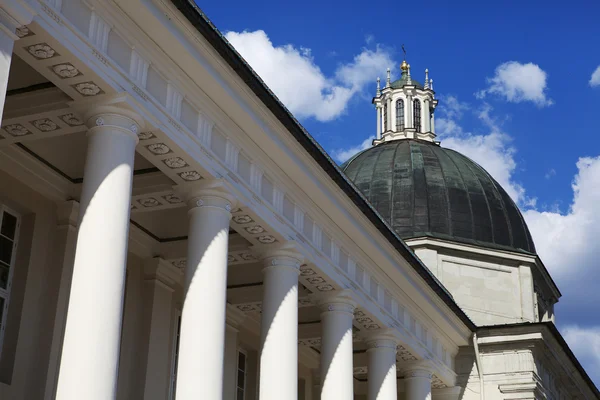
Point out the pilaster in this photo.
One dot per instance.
(160, 281)
(67, 216)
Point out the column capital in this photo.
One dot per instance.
(286, 255)
(212, 193)
(385, 339)
(336, 301)
(419, 369)
(67, 213)
(117, 112)
(163, 272)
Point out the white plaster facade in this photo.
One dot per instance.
(176, 233)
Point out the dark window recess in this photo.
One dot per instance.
(9, 226)
(400, 115)
(241, 376)
(417, 114)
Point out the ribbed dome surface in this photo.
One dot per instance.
(422, 189)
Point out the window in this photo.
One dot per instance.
(9, 229)
(241, 376)
(176, 334)
(417, 114)
(385, 111)
(400, 115)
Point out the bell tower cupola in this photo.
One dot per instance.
(405, 107)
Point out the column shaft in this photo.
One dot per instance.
(378, 110)
(417, 384)
(409, 112)
(389, 116)
(425, 117)
(337, 375)
(382, 375)
(202, 339)
(90, 355)
(279, 328)
(158, 322)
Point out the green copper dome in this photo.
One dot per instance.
(403, 81)
(422, 189)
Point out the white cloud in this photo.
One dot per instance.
(342, 155)
(518, 82)
(292, 74)
(491, 149)
(595, 78)
(568, 242)
(585, 343)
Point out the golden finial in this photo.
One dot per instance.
(404, 66)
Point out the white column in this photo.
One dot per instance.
(202, 339)
(13, 16)
(381, 351)
(389, 116)
(378, 108)
(90, 355)
(337, 313)
(417, 381)
(279, 325)
(432, 122)
(409, 112)
(160, 280)
(425, 117)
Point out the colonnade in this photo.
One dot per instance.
(88, 367)
(90, 351)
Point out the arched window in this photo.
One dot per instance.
(400, 115)
(385, 110)
(417, 114)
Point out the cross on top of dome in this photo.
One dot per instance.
(405, 107)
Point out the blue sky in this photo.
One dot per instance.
(519, 93)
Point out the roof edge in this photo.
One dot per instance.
(205, 27)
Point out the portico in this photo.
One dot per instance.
(218, 230)
(211, 255)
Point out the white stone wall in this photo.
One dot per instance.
(489, 289)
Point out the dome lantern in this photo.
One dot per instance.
(405, 108)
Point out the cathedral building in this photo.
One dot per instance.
(169, 231)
